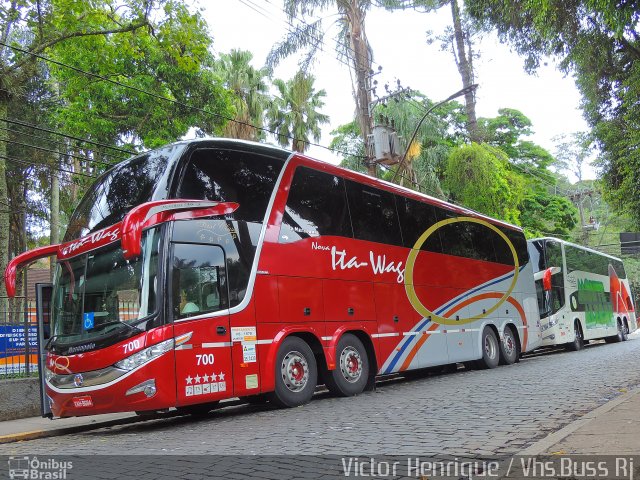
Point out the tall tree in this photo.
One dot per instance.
(249, 90)
(573, 152)
(599, 43)
(158, 47)
(459, 39)
(479, 177)
(351, 44)
(28, 25)
(294, 114)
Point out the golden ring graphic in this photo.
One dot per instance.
(59, 366)
(413, 255)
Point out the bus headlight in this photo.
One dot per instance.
(146, 355)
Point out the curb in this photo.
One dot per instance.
(54, 432)
(550, 440)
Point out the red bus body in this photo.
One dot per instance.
(409, 307)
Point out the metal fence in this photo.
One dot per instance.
(18, 339)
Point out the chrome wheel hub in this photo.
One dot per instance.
(489, 347)
(294, 371)
(350, 364)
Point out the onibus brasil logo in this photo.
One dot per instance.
(34, 468)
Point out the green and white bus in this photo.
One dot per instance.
(582, 294)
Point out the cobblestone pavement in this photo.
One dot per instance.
(469, 413)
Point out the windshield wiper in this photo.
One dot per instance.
(102, 326)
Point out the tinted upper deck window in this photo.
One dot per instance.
(232, 176)
(373, 214)
(415, 218)
(317, 205)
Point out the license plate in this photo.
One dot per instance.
(82, 402)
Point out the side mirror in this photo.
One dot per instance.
(545, 276)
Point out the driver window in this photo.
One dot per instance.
(198, 280)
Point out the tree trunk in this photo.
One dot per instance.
(4, 204)
(464, 62)
(362, 65)
(54, 220)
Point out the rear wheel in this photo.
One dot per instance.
(578, 341)
(352, 367)
(508, 347)
(490, 349)
(296, 373)
(620, 336)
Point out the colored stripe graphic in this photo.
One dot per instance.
(425, 336)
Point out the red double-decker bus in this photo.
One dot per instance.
(216, 268)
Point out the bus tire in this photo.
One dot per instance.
(620, 336)
(625, 330)
(352, 367)
(296, 373)
(509, 350)
(490, 349)
(578, 342)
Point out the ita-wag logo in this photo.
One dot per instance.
(34, 468)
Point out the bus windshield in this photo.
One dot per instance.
(101, 295)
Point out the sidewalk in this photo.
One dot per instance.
(611, 429)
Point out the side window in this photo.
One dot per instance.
(484, 241)
(316, 205)
(415, 218)
(230, 176)
(457, 238)
(373, 214)
(520, 243)
(198, 280)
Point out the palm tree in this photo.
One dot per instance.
(294, 111)
(351, 44)
(250, 94)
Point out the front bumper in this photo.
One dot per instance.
(117, 394)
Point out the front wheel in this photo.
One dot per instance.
(490, 349)
(352, 367)
(296, 373)
(508, 347)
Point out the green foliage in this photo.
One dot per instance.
(294, 114)
(599, 43)
(170, 58)
(249, 93)
(478, 177)
(543, 214)
(348, 138)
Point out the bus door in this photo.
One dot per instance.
(199, 306)
(44, 292)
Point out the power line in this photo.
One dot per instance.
(72, 155)
(66, 135)
(45, 165)
(56, 142)
(160, 97)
